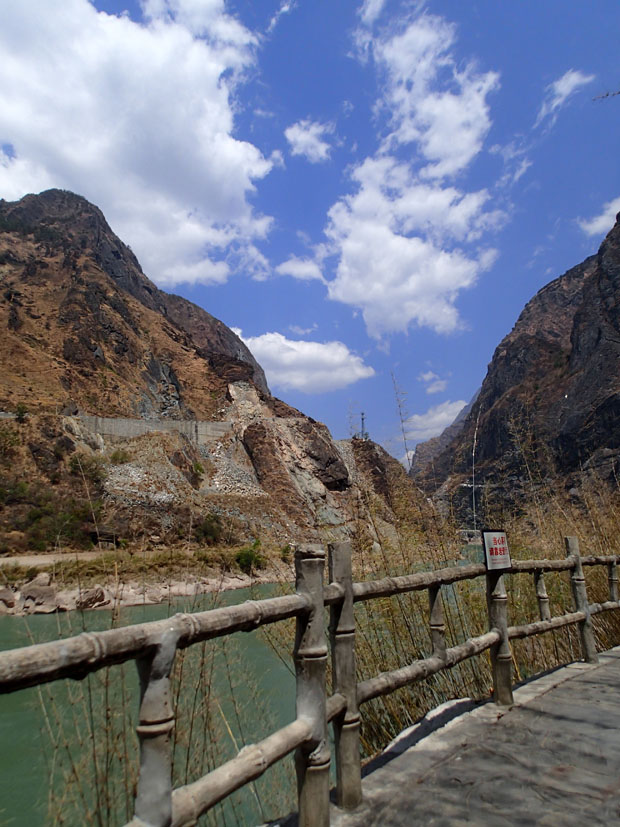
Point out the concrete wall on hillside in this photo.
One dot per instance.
(200, 432)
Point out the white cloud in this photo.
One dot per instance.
(420, 427)
(558, 92)
(407, 240)
(310, 367)
(139, 119)
(204, 18)
(286, 7)
(303, 269)
(396, 238)
(516, 162)
(302, 331)
(306, 138)
(442, 108)
(434, 384)
(370, 11)
(602, 223)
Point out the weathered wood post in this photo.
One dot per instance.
(346, 725)
(437, 622)
(580, 597)
(312, 759)
(542, 596)
(612, 578)
(153, 805)
(501, 655)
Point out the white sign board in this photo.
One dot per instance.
(496, 551)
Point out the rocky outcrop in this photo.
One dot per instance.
(296, 461)
(549, 406)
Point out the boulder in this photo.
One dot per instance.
(92, 598)
(7, 598)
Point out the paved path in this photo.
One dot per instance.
(551, 760)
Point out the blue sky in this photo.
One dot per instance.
(362, 189)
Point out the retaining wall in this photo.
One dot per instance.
(200, 432)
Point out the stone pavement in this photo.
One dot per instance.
(552, 760)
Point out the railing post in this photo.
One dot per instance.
(580, 597)
(542, 596)
(346, 725)
(154, 796)
(437, 622)
(612, 577)
(501, 655)
(312, 759)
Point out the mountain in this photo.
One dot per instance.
(147, 400)
(84, 322)
(549, 407)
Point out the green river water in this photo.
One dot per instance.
(264, 687)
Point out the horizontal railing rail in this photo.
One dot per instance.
(154, 645)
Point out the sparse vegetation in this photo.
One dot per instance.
(209, 530)
(9, 440)
(21, 413)
(119, 456)
(88, 466)
(249, 558)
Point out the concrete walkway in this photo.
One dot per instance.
(553, 759)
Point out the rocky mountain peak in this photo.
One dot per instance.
(73, 292)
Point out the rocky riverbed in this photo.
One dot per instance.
(42, 595)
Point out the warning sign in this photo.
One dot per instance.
(496, 551)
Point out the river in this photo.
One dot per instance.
(41, 730)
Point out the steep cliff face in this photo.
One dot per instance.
(83, 322)
(549, 406)
(87, 335)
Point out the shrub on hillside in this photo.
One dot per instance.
(250, 558)
(209, 530)
(9, 440)
(87, 466)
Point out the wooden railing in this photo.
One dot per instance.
(154, 645)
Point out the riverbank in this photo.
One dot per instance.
(62, 582)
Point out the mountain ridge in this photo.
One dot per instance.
(551, 396)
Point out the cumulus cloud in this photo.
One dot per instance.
(434, 384)
(310, 367)
(602, 223)
(433, 103)
(306, 138)
(396, 238)
(407, 238)
(137, 117)
(303, 269)
(558, 93)
(420, 427)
